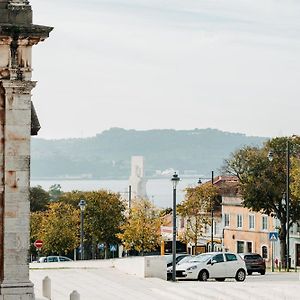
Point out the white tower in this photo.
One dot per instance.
(137, 178)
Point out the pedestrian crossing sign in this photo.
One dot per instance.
(273, 236)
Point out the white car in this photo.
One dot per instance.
(53, 259)
(217, 265)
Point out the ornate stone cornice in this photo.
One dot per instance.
(19, 86)
(25, 31)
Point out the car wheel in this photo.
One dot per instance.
(203, 275)
(249, 273)
(220, 279)
(263, 272)
(240, 275)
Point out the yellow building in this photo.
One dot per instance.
(245, 230)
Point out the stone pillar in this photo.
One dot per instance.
(17, 36)
(14, 186)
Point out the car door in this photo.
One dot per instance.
(232, 264)
(216, 266)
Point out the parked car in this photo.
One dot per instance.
(53, 259)
(217, 265)
(179, 257)
(254, 263)
(183, 259)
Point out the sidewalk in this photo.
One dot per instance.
(97, 280)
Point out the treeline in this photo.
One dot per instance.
(55, 219)
(108, 154)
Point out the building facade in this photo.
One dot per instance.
(247, 231)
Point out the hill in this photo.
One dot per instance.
(108, 154)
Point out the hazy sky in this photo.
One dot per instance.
(233, 65)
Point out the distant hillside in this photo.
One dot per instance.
(108, 155)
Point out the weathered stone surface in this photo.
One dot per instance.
(13, 148)
(17, 36)
(17, 132)
(17, 163)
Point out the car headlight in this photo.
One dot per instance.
(191, 268)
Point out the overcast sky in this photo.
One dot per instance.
(233, 65)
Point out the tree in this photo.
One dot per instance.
(55, 192)
(39, 198)
(103, 215)
(263, 182)
(57, 227)
(198, 202)
(141, 232)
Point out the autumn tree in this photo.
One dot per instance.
(57, 227)
(198, 202)
(39, 198)
(141, 232)
(103, 215)
(262, 183)
(55, 192)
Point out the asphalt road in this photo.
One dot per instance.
(276, 276)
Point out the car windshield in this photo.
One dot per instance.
(185, 259)
(201, 257)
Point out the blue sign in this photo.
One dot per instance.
(273, 236)
(113, 248)
(101, 246)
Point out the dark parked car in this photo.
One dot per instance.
(254, 263)
(179, 257)
(179, 260)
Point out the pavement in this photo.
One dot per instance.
(101, 280)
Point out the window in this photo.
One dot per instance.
(249, 247)
(239, 221)
(240, 246)
(226, 220)
(264, 223)
(264, 252)
(251, 221)
(218, 258)
(230, 257)
(52, 259)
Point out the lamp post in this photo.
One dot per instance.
(287, 201)
(82, 205)
(212, 215)
(175, 179)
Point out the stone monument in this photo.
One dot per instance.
(137, 178)
(17, 122)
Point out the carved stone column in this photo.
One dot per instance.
(17, 36)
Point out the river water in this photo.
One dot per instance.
(159, 191)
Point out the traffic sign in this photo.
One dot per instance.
(101, 246)
(273, 236)
(38, 244)
(113, 248)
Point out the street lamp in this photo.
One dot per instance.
(212, 215)
(82, 205)
(287, 200)
(175, 179)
